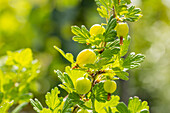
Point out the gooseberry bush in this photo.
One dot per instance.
(90, 81)
(17, 73)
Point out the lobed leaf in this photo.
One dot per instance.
(103, 12)
(99, 93)
(110, 26)
(109, 53)
(52, 99)
(99, 107)
(37, 106)
(133, 61)
(5, 106)
(45, 110)
(73, 99)
(81, 34)
(122, 108)
(135, 105)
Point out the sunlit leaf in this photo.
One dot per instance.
(135, 105)
(133, 61)
(112, 103)
(52, 99)
(67, 56)
(37, 106)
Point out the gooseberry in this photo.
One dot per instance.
(122, 29)
(96, 29)
(82, 111)
(86, 56)
(110, 86)
(83, 85)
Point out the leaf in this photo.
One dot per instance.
(133, 61)
(122, 108)
(23, 57)
(37, 106)
(110, 33)
(135, 105)
(67, 56)
(106, 3)
(124, 48)
(111, 36)
(101, 2)
(99, 64)
(128, 1)
(109, 111)
(65, 78)
(74, 74)
(113, 44)
(52, 99)
(81, 34)
(133, 14)
(103, 12)
(109, 53)
(144, 111)
(99, 107)
(99, 92)
(45, 110)
(122, 75)
(5, 106)
(73, 99)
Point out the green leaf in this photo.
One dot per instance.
(45, 110)
(133, 61)
(73, 99)
(52, 99)
(85, 31)
(37, 106)
(124, 48)
(103, 12)
(5, 106)
(108, 4)
(128, 1)
(122, 108)
(122, 75)
(108, 111)
(99, 92)
(99, 106)
(113, 44)
(144, 111)
(109, 53)
(135, 105)
(74, 74)
(81, 34)
(99, 64)
(67, 56)
(110, 33)
(65, 79)
(133, 14)
(111, 36)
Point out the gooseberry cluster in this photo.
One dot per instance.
(83, 85)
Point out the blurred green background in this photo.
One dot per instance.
(41, 24)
